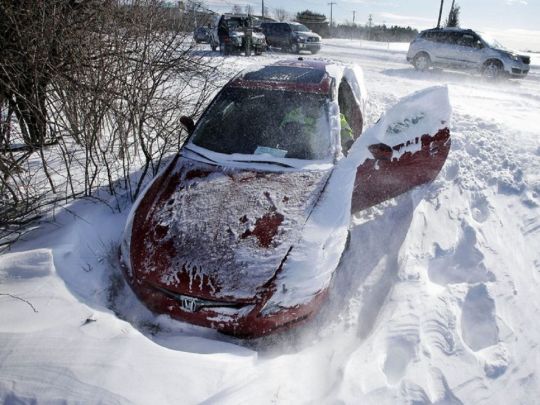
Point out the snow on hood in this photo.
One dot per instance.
(220, 232)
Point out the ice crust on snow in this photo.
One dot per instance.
(25, 265)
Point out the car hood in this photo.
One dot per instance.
(507, 52)
(307, 34)
(240, 33)
(219, 233)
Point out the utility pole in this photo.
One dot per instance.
(262, 12)
(195, 6)
(440, 13)
(331, 4)
(353, 26)
(370, 23)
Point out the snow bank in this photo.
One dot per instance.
(436, 301)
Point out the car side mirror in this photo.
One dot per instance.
(479, 44)
(187, 123)
(381, 151)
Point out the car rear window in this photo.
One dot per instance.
(286, 74)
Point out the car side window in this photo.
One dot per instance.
(349, 108)
(454, 38)
(439, 37)
(467, 40)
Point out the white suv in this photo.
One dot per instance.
(465, 49)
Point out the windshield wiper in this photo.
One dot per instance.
(200, 154)
(269, 162)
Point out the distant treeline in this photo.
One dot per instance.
(375, 33)
(319, 24)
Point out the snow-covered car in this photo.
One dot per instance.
(245, 227)
(467, 50)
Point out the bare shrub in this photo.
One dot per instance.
(90, 92)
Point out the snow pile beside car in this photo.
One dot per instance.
(436, 300)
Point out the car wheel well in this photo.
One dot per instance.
(497, 62)
(492, 69)
(420, 64)
(294, 47)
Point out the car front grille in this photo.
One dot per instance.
(193, 304)
(313, 39)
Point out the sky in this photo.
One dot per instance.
(516, 23)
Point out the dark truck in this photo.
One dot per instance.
(291, 36)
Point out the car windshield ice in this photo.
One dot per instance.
(278, 123)
(492, 42)
(299, 28)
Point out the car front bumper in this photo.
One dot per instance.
(309, 46)
(243, 320)
(519, 73)
(516, 69)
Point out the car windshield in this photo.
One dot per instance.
(492, 42)
(299, 28)
(282, 124)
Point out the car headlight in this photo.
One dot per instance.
(236, 39)
(301, 39)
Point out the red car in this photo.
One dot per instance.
(244, 229)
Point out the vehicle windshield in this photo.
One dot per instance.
(492, 42)
(276, 123)
(299, 28)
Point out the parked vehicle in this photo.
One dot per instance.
(236, 33)
(466, 49)
(244, 229)
(293, 37)
(201, 34)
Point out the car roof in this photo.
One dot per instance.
(448, 29)
(310, 76)
(231, 16)
(283, 23)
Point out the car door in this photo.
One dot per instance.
(285, 35)
(444, 49)
(270, 33)
(406, 148)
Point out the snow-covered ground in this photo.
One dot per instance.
(436, 300)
